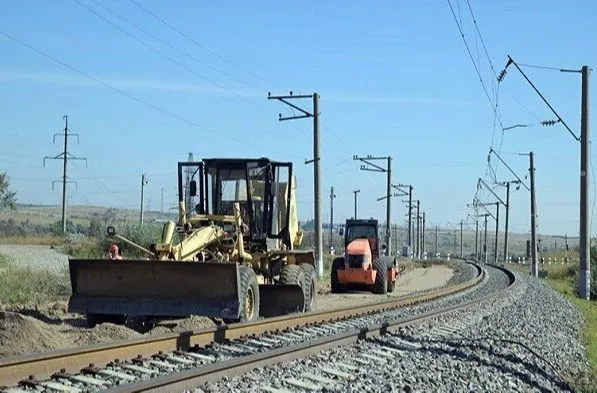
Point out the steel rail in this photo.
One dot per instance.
(189, 380)
(43, 366)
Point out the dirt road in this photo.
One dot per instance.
(416, 279)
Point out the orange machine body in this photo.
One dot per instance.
(358, 267)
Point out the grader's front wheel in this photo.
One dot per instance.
(249, 296)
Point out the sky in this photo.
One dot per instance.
(145, 83)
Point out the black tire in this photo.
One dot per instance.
(310, 287)
(337, 286)
(249, 295)
(97, 319)
(381, 279)
(295, 275)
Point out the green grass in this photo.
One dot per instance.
(562, 279)
(21, 285)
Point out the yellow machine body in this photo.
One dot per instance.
(195, 268)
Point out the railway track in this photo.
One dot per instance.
(183, 361)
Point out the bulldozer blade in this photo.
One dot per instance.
(280, 299)
(154, 288)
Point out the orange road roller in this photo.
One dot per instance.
(362, 267)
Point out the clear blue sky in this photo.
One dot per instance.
(394, 78)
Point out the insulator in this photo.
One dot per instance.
(501, 75)
(549, 122)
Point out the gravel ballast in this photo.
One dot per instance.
(35, 257)
(527, 340)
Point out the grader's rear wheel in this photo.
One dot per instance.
(310, 287)
(295, 275)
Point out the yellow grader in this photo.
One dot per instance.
(234, 258)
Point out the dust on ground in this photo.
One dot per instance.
(35, 328)
(415, 279)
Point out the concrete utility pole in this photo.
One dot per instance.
(389, 208)
(332, 197)
(497, 220)
(507, 206)
(485, 242)
(143, 183)
(423, 236)
(534, 265)
(584, 241)
(162, 203)
(316, 160)
(400, 187)
(585, 157)
(370, 166)
(64, 156)
(356, 192)
(418, 252)
(481, 181)
(410, 211)
(497, 228)
(436, 240)
(507, 220)
(477, 238)
(461, 252)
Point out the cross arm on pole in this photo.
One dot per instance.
(507, 166)
(285, 99)
(388, 196)
(484, 206)
(367, 160)
(492, 192)
(397, 187)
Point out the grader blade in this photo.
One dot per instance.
(154, 288)
(281, 299)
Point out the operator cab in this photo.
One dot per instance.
(259, 186)
(363, 229)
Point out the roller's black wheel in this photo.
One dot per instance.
(337, 286)
(381, 278)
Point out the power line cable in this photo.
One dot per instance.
(139, 100)
(474, 64)
(177, 50)
(541, 67)
(481, 38)
(164, 55)
(511, 61)
(167, 44)
(199, 44)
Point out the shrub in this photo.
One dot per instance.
(97, 246)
